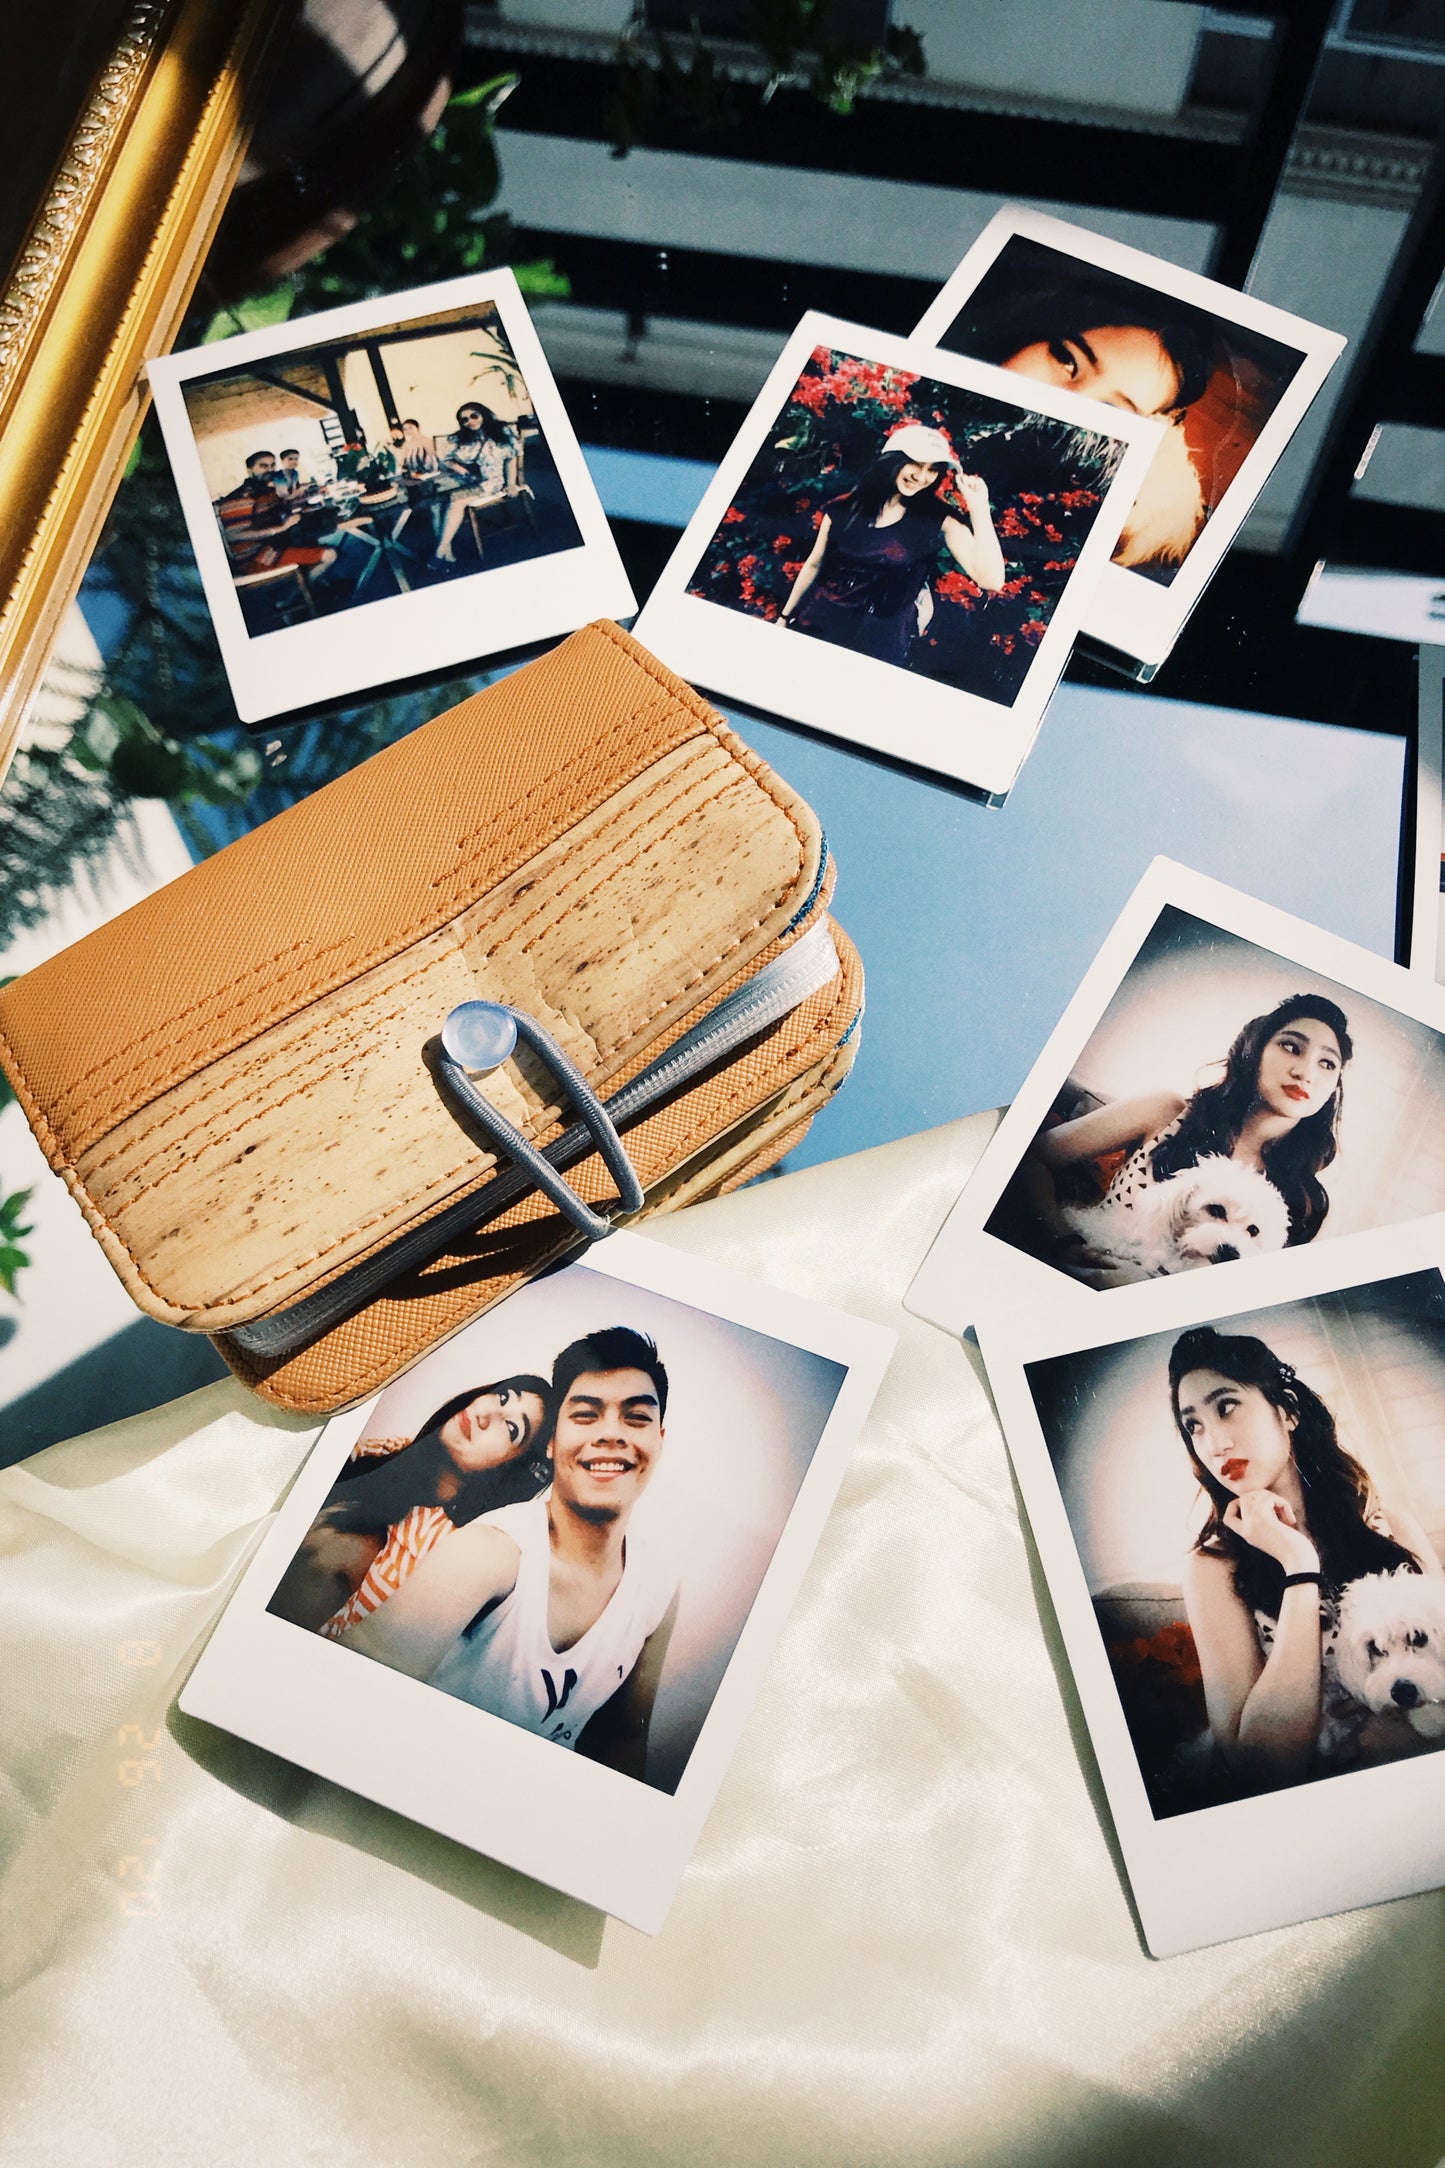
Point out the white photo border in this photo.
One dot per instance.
(602, 1837)
(979, 742)
(1136, 615)
(433, 628)
(970, 1274)
(1301, 1853)
(1425, 916)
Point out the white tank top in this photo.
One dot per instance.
(506, 1663)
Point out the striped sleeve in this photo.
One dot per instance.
(407, 1543)
(377, 1448)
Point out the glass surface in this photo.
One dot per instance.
(974, 922)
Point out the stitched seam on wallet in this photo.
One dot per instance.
(416, 1198)
(385, 1366)
(753, 765)
(390, 944)
(419, 1197)
(319, 1063)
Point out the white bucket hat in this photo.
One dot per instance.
(927, 447)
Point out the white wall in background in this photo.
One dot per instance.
(670, 199)
(1133, 55)
(596, 16)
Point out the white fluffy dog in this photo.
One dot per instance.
(1206, 1214)
(1390, 1651)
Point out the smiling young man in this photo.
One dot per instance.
(552, 1612)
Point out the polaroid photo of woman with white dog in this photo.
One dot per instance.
(1228, 1084)
(1242, 1519)
(1230, 377)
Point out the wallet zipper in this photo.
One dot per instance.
(768, 997)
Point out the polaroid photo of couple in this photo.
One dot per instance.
(527, 1596)
(898, 549)
(1228, 1087)
(1228, 378)
(1238, 1498)
(383, 490)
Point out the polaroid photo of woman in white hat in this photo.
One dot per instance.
(898, 548)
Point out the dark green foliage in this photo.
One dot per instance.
(436, 219)
(54, 817)
(653, 82)
(13, 1259)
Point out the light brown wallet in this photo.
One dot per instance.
(236, 1078)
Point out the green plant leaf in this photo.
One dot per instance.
(13, 1259)
(542, 278)
(490, 96)
(256, 313)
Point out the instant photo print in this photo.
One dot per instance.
(1228, 1085)
(383, 490)
(898, 549)
(1240, 1512)
(527, 1595)
(1228, 377)
(1427, 919)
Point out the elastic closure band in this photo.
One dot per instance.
(479, 1035)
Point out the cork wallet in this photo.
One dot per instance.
(235, 1078)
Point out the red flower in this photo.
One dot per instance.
(731, 516)
(792, 568)
(956, 587)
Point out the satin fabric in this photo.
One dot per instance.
(904, 1936)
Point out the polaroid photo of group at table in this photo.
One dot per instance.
(383, 490)
(1229, 1085)
(1240, 1511)
(1229, 377)
(898, 548)
(528, 1595)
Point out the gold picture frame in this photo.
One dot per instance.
(100, 283)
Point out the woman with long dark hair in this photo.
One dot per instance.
(1291, 1518)
(1276, 1109)
(865, 581)
(1103, 337)
(483, 458)
(397, 1497)
(1117, 342)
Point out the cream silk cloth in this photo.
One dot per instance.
(904, 1936)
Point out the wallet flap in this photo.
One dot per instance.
(352, 875)
(241, 1173)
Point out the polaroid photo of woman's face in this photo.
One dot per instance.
(383, 490)
(529, 1593)
(1229, 1087)
(1229, 377)
(1427, 922)
(1242, 1517)
(897, 550)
